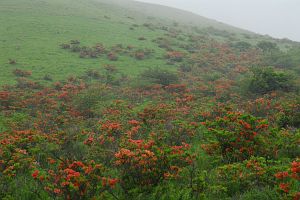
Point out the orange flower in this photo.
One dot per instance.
(284, 187)
(76, 164)
(104, 181)
(193, 124)
(112, 182)
(281, 175)
(134, 122)
(90, 140)
(35, 174)
(42, 178)
(295, 167)
(51, 161)
(63, 184)
(57, 191)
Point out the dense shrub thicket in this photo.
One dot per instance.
(186, 134)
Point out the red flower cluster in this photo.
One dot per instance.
(295, 169)
(35, 174)
(180, 149)
(111, 126)
(284, 187)
(111, 182)
(286, 179)
(282, 175)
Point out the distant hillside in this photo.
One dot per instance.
(33, 30)
(166, 14)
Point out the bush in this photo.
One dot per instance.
(74, 42)
(93, 74)
(24, 83)
(241, 46)
(265, 80)
(142, 38)
(112, 56)
(65, 46)
(185, 68)
(175, 56)
(139, 55)
(143, 164)
(75, 48)
(289, 59)
(290, 116)
(12, 61)
(48, 77)
(159, 76)
(142, 54)
(246, 175)
(267, 46)
(238, 137)
(21, 73)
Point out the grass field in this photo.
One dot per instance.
(32, 30)
(31, 34)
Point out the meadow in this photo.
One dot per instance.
(124, 100)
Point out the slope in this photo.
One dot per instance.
(32, 30)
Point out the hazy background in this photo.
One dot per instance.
(278, 18)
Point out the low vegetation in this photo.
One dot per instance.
(168, 111)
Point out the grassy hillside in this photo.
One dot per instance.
(32, 30)
(118, 100)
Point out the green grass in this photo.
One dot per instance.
(32, 36)
(32, 30)
(2, 126)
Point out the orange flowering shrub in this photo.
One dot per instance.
(112, 56)
(22, 73)
(247, 174)
(73, 180)
(289, 181)
(16, 151)
(176, 56)
(144, 163)
(239, 136)
(98, 136)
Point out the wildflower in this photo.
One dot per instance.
(90, 140)
(104, 181)
(112, 182)
(65, 183)
(284, 187)
(51, 161)
(295, 167)
(35, 174)
(193, 124)
(134, 122)
(281, 175)
(57, 191)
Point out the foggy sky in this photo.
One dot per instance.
(278, 18)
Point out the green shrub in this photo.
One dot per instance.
(265, 80)
(241, 46)
(266, 46)
(159, 76)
